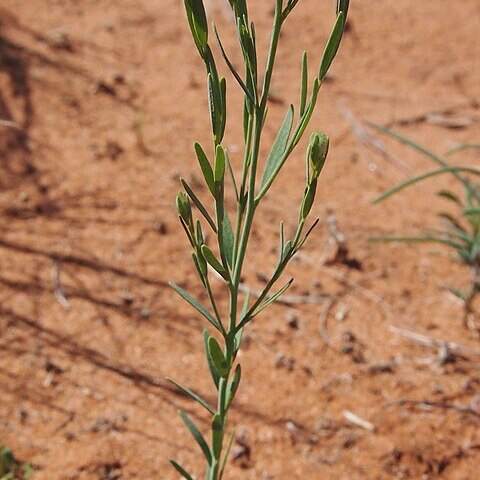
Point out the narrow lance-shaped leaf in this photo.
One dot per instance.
(232, 176)
(205, 167)
(217, 436)
(342, 6)
(181, 470)
(223, 109)
(212, 260)
(199, 205)
(308, 200)
(273, 298)
(195, 304)
(278, 148)
(304, 88)
(332, 46)
(197, 20)
(219, 361)
(197, 436)
(227, 238)
(219, 171)
(233, 385)
(211, 366)
(237, 76)
(227, 454)
(192, 395)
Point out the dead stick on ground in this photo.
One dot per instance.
(358, 421)
(433, 116)
(430, 405)
(432, 342)
(324, 321)
(366, 139)
(57, 286)
(9, 124)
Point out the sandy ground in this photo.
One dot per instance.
(109, 97)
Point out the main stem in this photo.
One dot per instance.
(242, 236)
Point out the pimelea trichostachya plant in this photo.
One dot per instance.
(232, 234)
(461, 232)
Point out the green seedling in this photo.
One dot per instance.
(11, 468)
(460, 231)
(230, 231)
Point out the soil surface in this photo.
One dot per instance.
(106, 99)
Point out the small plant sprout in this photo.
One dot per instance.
(461, 228)
(230, 231)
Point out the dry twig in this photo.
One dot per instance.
(57, 286)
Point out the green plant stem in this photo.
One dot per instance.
(259, 119)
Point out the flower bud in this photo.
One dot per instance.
(317, 154)
(184, 208)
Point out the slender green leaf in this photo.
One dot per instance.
(223, 108)
(217, 436)
(199, 205)
(452, 221)
(195, 304)
(420, 178)
(192, 395)
(216, 354)
(197, 20)
(233, 385)
(462, 147)
(420, 239)
(308, 200)
(181, 470)
(449, 196)
(219, 171)
(305, 238)
(332, 46)
(200, 266)
(212, 260)
(281, 242)
(211, 366)
(272, 299)
(232, 176)
(197, 436)
(278, 148)
(227, 454)
(237, 76)
(303, 94)
(342, 6)
(227, 238)
(472, 211)
(206, 167)
(427, 153)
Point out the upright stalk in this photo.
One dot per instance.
(232, 244)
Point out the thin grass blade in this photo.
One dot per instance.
(420, 178)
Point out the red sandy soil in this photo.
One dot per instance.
(109, 97)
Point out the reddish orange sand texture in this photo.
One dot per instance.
(110, 96)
